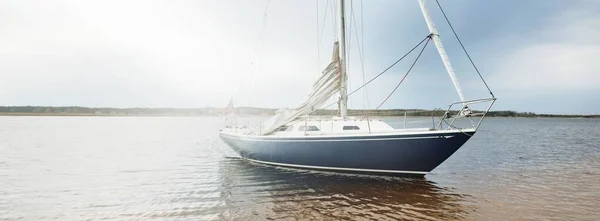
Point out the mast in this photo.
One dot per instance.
(438, 44)
(343, 107)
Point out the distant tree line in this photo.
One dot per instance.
(75, 110)
(208, 111)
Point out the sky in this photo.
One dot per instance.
(539, 56)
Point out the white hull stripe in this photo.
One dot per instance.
(333, 140)
(337, 136)
(337, 168)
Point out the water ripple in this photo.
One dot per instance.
(177, 168)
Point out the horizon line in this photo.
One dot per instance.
(271, 108)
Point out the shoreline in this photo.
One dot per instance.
(247, 111)
(28, 114)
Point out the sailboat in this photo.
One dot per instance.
(342, 143)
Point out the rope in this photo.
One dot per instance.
(455, 127)
(464, 49)
(405, 75)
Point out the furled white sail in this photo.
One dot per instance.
(326, 86)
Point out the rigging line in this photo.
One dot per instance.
(362, 48)
(258, 51)
(256, 62)
(362, 58)
(405, 75)
(334, 20)
(393, 64)
(351, 25)
(318, 40)
(463, 47)
(355, 26)
(455, 127)
(383, 72)
(359, 45)
(321, 35)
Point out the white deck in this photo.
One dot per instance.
(336, 127)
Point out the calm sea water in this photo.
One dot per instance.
(162, 168)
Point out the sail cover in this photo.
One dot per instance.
(326, 86)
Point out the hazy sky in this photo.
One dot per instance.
(540, 55)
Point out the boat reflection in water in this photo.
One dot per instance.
(254, 191)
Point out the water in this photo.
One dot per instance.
(162, 168)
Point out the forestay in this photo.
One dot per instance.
(326, 86)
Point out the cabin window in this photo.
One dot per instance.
(282, 128)
(308, 128)
(350, 128)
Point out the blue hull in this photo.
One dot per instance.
(398, 154)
